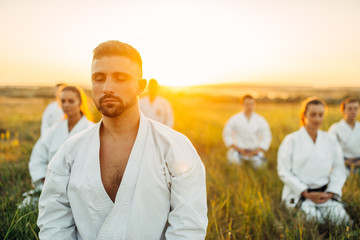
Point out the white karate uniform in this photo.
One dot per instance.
(47, 145)
(247, 134)
(348, 138)
(159, 110)
(52, 114)
(303, 164)
(162, 193)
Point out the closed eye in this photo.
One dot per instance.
(120, 76)
(98, 77)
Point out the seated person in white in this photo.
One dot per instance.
(127, 177)
(156, 107)
(53, 112)
(347, 133)
(247, 135)
(78, 118)
(311, 165)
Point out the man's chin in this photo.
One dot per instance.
(112, 112)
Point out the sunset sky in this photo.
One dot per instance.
(314, 43)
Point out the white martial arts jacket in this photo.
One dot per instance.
(75, 205)
(47, 145)
(348, 138)
(248, 134)
(52, 114)
(303, 164)
(159, 110)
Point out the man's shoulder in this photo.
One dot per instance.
(259, 117)
(166, 132)
(237, 115)
(336, 126)
(170, 140)
(177, 150)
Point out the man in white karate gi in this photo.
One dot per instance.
(347, 132)
(128, 177)
(155, 107)
(247, 135)
(53, 112)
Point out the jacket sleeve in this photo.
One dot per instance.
(338, 174)
(45, 121)
(284, 167)
(188, 214)
(55, 218)
(39, 159)
(265, 135)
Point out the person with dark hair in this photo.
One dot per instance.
(127, 177)
(247, 135)
(155, 107)
(311, 165)
(53, 112)
(347, 133)
(77, 118)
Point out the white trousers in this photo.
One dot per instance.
(332, 210)
(256, 161)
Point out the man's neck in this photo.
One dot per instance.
(124, 124)
(248, 114)
(350, 122)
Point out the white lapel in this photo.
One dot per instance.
(126, 189)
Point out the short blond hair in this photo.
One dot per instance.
(116, 48)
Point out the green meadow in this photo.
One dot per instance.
(242, 203)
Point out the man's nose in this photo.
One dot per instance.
(108, 86)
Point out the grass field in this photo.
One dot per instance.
(242, 203)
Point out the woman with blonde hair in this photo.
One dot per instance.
(311, 165)
(77, 118)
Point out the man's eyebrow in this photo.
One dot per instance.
(97, 73)
(121, 73)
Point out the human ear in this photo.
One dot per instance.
(141, 86)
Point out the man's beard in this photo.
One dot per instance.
(112, 110)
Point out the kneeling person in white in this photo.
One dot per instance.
(127, 177)
(247, 135)
(347, 133)
(53, 112)
(155, 107)
(311, 165)
(73, 103)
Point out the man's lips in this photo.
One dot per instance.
(109, 100)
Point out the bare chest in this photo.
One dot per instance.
(114, 156)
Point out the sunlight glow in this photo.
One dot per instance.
(185, 43)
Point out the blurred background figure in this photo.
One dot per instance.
(347, 133)
(53, 112)
(311, 165)
(156, 107)
(247, 135)
(77, 118)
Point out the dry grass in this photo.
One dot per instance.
(242, 203)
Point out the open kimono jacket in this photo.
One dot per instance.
(162, 193)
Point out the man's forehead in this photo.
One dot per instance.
(114, 64)
(352, 104)
(249, 100)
